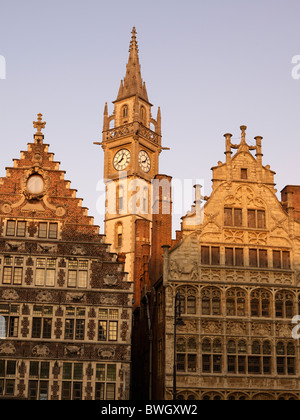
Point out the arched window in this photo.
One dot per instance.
(286, 358)
(236, 361)
(284, 304)
(261, 303)
(119, 235)
(211, 356)
(188, 301)
(143, 115)
(125, 111)
(211, 301)
(235, 302)
(186, 355)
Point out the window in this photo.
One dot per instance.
(233, 217)
(211, 356)
(38, 388)
(10, 228)
(186, 355)
(210, 255)
(108, 325)
(21, 229)
(125, 111)
(211, 301)
(261, 303)
(286, 358)
(284, 305)
(48, 230)
(188, 301)
(78, 273)
(119, 235)
(234, 257)
(72, 381)
(143, 115)
(244, 173)
(8, 372)
(235, 302)
(260, 361)
(13, 270)
(106, 377)
(45, 272)
(256, 219)
(42, 322)
(236, 359)
(281, 260)
(11, 315)
(75, 323)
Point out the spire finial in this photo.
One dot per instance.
(133, 42)
(39, 124)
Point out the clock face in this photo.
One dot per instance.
(35, 185)
(144, 161)
(122, 159)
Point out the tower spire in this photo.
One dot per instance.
(133, 84)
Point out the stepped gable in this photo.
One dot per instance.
(52, 199)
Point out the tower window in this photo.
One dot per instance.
(143, 115)
(244, 173)
(125, 111)
(119, 235)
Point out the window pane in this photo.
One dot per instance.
(102, 333)
(286, 263)
(40, 277)
(251, 219)
(215, 255)
(21, 229)
(50, 277)
(53, 227)
(10, 228)
(239, 257)
(229, 256)
(78, 371)
(18, 274)
(111, 372)
(263, 258)
(228, 220)
(69, 329)
(100, 372)
(113, 331)
(205, 254)
(261, 219)
(67, 371)
(253, 257)
(7, 275)
(43, 230)
(110, 392)
(82, 279)
(276, 259)
(238, 217)
(72, 278)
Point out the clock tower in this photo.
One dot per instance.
(132, 145)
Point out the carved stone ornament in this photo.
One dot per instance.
(7, 348)
(6, 208)
(44, 296)
(10, 294)
(73, 351)
(110, 280)
(108, 300)
(40, 351)
(108, 353)
(75, 297)
(24, 183)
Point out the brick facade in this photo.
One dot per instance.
(65, 298)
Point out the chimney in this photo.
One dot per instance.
(161, 222)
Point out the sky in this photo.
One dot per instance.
(211, 65)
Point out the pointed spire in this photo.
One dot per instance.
(133, 84)
(105, 118)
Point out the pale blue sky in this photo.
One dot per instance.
(210, 65)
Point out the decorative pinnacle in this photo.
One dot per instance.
(39, 124)
(133, 42)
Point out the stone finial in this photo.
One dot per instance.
(39, 124)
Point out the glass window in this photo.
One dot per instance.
(10, 228)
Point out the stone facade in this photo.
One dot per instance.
(65, 300)
(237, 270)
